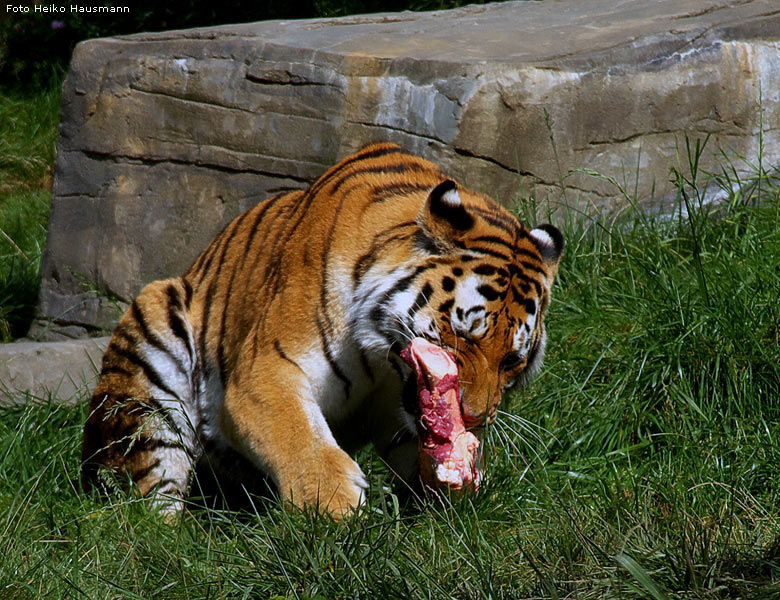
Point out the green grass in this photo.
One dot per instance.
(643, 463)
(28, 133)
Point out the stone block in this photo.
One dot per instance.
(167, 136)
(65, 370)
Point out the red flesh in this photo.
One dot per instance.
(447, 450)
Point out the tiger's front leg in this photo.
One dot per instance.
(269, 415)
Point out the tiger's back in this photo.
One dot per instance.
(281, 341)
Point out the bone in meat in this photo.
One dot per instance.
(448, 452)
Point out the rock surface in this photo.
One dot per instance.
(65, 370)
(165, 137)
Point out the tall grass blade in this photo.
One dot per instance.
(641, 576)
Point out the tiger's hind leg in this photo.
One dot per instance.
(142, 422)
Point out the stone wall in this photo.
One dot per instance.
(165, 137)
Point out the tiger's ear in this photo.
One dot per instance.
(444, 216)
(549, 241)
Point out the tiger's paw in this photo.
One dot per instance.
(334, 483)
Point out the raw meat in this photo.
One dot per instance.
(448, 453)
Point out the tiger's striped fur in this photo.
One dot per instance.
(282, 340)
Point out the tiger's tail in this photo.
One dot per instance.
(143, 419)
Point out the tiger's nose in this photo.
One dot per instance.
(472, 420)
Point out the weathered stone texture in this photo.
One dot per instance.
(165, 137)
(63, 370)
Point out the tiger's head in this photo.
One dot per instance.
(480, 289)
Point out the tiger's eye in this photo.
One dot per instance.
(511, 361)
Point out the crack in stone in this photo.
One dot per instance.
(223, 106)
(90, 327)
(75, 195)
(493, 161)
(711, 9)
(193, 35)
(290, 79)
(363, 20)
(398, 129)
(623, 140)
(149, 161)
(640, 134)
(538, 180)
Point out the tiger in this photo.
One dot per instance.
(280, 345)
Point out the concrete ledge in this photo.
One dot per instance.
(65, 370)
